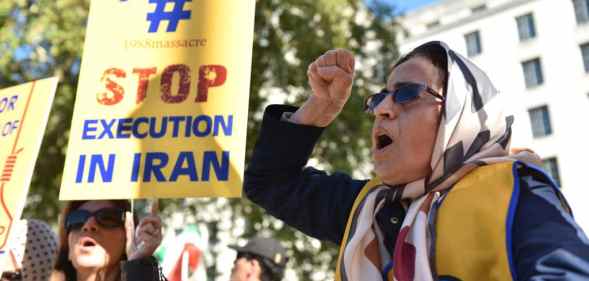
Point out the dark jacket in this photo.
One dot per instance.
(547, 243)
(146, 269)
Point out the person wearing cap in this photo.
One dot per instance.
(31, 252)
(261, 259)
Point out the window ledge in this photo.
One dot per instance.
(535, 87)
(544, 137)
(528, 41)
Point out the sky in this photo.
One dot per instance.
(408, 5)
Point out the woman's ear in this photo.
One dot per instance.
(69, 252)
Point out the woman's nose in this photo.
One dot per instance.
(90, 225)
(387, 109)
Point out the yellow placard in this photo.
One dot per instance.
(24, 110)
(161, 106)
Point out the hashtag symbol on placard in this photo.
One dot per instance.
(173, 17)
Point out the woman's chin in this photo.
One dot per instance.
(385, 175)
(90, 261)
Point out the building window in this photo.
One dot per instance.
(540, 119)
(585, 54)
(533, 73)
(526, 27)
(478, 9)
(406, 33)
(473, 43)
(581, 11)
(433, 24)
(550, 165)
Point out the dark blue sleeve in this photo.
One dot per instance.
(310, 200)
(548, 244)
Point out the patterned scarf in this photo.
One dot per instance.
(474, 131)
(33, 246)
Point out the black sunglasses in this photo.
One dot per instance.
(11, 276)
(106, 217)
(404, 93)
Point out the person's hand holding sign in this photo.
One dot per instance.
(330, 77)
(143, 241)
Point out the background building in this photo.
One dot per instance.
(537, 52)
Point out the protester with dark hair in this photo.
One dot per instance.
(261, 259)
(31, 252)
(98, 241)
(450, 200)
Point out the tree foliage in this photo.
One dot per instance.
(41, 38)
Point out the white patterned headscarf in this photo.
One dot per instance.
(474, 131)
(33, 245)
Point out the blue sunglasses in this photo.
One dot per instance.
(106, 217)
(404, 93)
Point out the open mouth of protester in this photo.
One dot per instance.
(87, 242)
(383, 141)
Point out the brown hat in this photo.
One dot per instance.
(264, 247)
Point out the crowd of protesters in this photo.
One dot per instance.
(103, 241)
(450, 201)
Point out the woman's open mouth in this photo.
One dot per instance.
(87, 242)
(383, 141)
